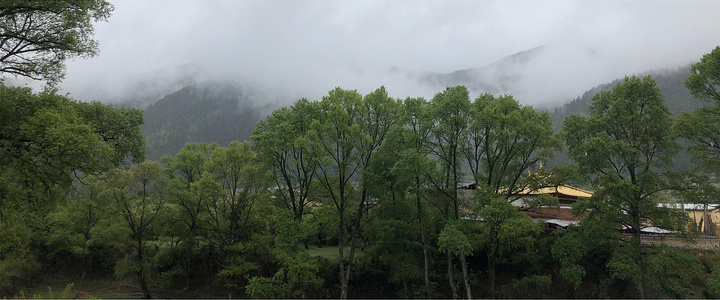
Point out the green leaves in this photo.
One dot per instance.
(46, 139)
(38, 36)
(702, 127)
(505, 141)
(452, 240)
(704, 79)
(625, 142)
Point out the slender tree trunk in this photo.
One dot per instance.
(451, 280)
(141, 272)
(422, 238)
(353, 239)
(637, 244)
(466, 278)
(406, 289)
(642, 274)
(341, 260)
(491, 272)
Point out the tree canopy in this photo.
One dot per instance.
(36, 36)
(626, 149)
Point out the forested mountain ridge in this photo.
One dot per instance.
(212, 111)
(203, 112)
(670, 81)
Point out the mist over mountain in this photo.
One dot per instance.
(670, 81)
(182, 105)
(206, 112)
(501, 77)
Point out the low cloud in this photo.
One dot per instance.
(305, 48)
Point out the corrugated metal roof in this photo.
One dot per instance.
(689, 206)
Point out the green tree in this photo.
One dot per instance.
(391, 233)
(282, 142)
(47, 143)
(118, 127)
(337, 144)
(702, 127)
(298, 273)
(187, 199)
(139, 196)
(704, 79)
(415, 165)
(505, 141)
(348, 131)
(626, 147)
(44, 142)
(36, 37)
(243, 182)
(585, 250)
(450, 115)
(505, 230)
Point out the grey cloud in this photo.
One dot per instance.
(305, 48)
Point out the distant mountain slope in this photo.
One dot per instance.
(206, 112)
(502, 76)
(671, 83)
(221, 112)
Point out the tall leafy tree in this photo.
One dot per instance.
(414, 165)
(704, 79)
(702, 127)
(119, 127)
(626, 147)
(139, 196)
(243, 182)
(505, 229)
(36, 37)
(392, 231)
(282, 142)
(349, 130)
(450, 115)
(337, 144)
(505, 141)
(44, 141)
(47, 141)
(187, 197)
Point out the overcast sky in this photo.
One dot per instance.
(308, 47)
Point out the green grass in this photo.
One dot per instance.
(67, 287)
(330, 252)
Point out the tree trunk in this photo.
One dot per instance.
(465, 276)
(341, 260)
(637, 244)
(491, 272)
(451, 280)
(422, 239)
(141, 272)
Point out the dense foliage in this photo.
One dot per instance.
(36, 37)
(344, 194)
(348, 196)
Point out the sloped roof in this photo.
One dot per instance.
(561, 223)
(656, 230)
(562, 189)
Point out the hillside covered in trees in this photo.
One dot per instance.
(204, 112)
(671, 84)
